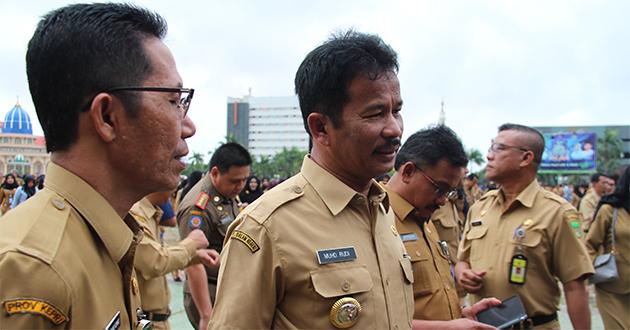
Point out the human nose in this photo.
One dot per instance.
(393, 126)
(188, 128)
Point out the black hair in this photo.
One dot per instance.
(30, 191)
(228, 155)
(595, 177)
(40, 181)
(472, 176)
(324, 77)
(7, 185)
(80, 50)
(427, 147)
(536, 143)
(621, 196)
(192, 180)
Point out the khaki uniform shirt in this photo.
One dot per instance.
(435, 297)
(472, 195)
(66, 260)
(587, 208)
(550, 243)
(153, 260)
(272, 275)
(205, 209)
(600, 235)
(448, 223)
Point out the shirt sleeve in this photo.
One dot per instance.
(153, 259)
(600, 231)
(27, 287)
(192, 218)
(250, 279)
(570, 259)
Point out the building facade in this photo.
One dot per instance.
(20, 150)
(266, 125)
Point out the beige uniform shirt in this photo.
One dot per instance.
(276, 272)
(550, 243)
(66, 260)
(599, 235)
(205, 209)
(473, 194)
(587, 208)
(153, 260)
(435, 297)
(447, 221)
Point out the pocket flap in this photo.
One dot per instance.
(531, 239)
(405, 263)
(477, 232)
(333, 282)
(445, 222)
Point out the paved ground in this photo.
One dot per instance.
(180, 321)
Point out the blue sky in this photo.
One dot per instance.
(539, 63)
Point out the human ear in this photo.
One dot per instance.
(318, 124)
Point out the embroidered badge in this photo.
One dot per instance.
(576, 228)
(35, 306)
(343, 254)
(246, 239)
(202, 200)
(194, 222)
(408, 237)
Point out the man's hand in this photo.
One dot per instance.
(199, 238)
(456, 324)
(470, 280)
(471, 312)
(209, 257)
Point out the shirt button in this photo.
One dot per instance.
(345, 286)
(418, 253)
(59, 204)
(297, 190)
(395, 326)
(387, 282)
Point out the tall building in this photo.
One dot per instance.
(20, 150)
(265, 125)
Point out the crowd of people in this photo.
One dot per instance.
(329, 247)
(16, 189)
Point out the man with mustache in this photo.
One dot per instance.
(429, 167)
(320, 250)
(110, 101)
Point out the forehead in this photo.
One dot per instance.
(447, 173)
(386, 86)
(164, 70)
(510, 137)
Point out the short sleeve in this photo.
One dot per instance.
(570, 259)
(249, 279)
(190, 219)
(32, 294)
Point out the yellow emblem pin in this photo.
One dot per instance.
(528, 222)
(220, 208)
(483, 213)
(345, 312)
(134, 286)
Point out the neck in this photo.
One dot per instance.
(100, 177)
(357, 183)
(512, 189)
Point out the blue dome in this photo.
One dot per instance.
(17, 121)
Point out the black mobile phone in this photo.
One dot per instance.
(510, 312)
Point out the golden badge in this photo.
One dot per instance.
(528, 222)
(345, 312)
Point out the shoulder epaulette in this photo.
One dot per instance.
(202, 200)
(270, 201)
(489, 193)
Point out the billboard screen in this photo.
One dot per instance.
(569, 152)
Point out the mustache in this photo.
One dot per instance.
(391, 142)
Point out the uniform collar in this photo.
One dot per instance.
(336, 194)
(115, 233)
(528, 195)
(401, 207)
(209, 188)
(145, 208)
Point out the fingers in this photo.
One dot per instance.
(471, 281)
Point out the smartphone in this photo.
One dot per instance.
(510, 312)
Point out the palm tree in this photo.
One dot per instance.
(609, 151)
(474, 156)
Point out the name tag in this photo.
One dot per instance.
(409, 237)
(476, 223)
(343, 254)
(114, 323)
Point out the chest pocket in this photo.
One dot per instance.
(447, 228)
(335, 282)
(527, 245)
(475, 234)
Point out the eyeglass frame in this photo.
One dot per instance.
(184, 103)
(503, 146)
(439, 191)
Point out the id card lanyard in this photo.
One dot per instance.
(518, 263)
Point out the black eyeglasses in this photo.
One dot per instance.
(183, 104)
(496, 147)
(441, 190)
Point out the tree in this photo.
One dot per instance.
(196, 163)
(474, 156)
(609, 151)
(284, 164)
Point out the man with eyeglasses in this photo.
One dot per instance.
(109, 99)
(521, 239)
(429, 167)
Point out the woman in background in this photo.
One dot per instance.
(251, 192)
(7, 190)
(613, 298)
(24, 192)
